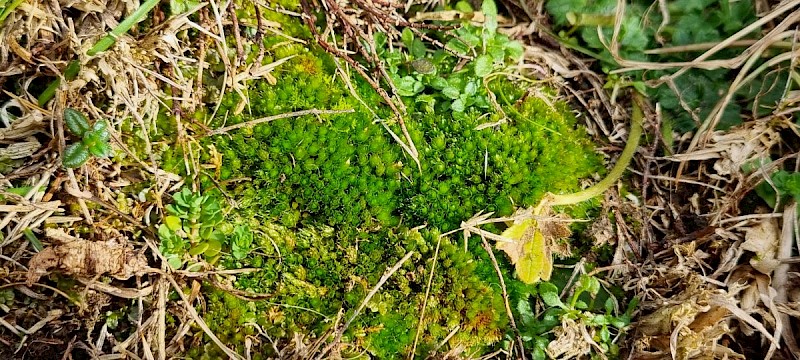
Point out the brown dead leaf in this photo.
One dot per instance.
(84, 258)
(763, 239)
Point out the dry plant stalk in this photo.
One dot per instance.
(83, 258)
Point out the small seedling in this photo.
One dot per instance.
(580, 314)
(425, 75)
(94, 139)
(192, 227)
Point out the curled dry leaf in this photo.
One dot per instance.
(84, 258)
(763, 239)
(570, 342)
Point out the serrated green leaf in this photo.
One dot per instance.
(490, 26)
(76, 122)
(100, 129)
(525, 311)
(549, 294)
(408, 86)
(483, 65)
(75, 155)
(458, 106)
(471, 88)
(451, 92)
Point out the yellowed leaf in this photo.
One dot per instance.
(527, 247)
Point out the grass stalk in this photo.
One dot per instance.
(123, 27)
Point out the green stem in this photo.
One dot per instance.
(123, 27)
(579, 19)
(8, 10)
(70, 73)
(616, 172)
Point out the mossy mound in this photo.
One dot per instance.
(318, 273)
(332, 200)
(347, 171)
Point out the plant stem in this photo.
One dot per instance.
(8, 10)
(616, 172)
(123, 27)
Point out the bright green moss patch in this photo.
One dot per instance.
(330, 200)
(347, 171)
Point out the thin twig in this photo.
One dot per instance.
(425, 299)
(488, 249)
(276, 117)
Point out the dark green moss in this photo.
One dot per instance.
(346, 170)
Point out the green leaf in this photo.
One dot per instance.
(100, 149)
(457, 46)
(100, 130)
(407, 37)
(439, 83)
(428, 102)
(75, 155)
(605, 335)
(483, 65)
(489, 8)
(174, 260)
(549, 294)
(418, 49)
(76, 122)
(451, 92)
(464, 6)
(471, 88)
(173, 222)
(242, 242)
(514, 50)
(458, 106)
(525, 312)
(198, 249)
(37, 245)
(408, 86)
(181, 6)
(214, 248)
(380, 41)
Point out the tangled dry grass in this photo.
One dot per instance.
(717, 276)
